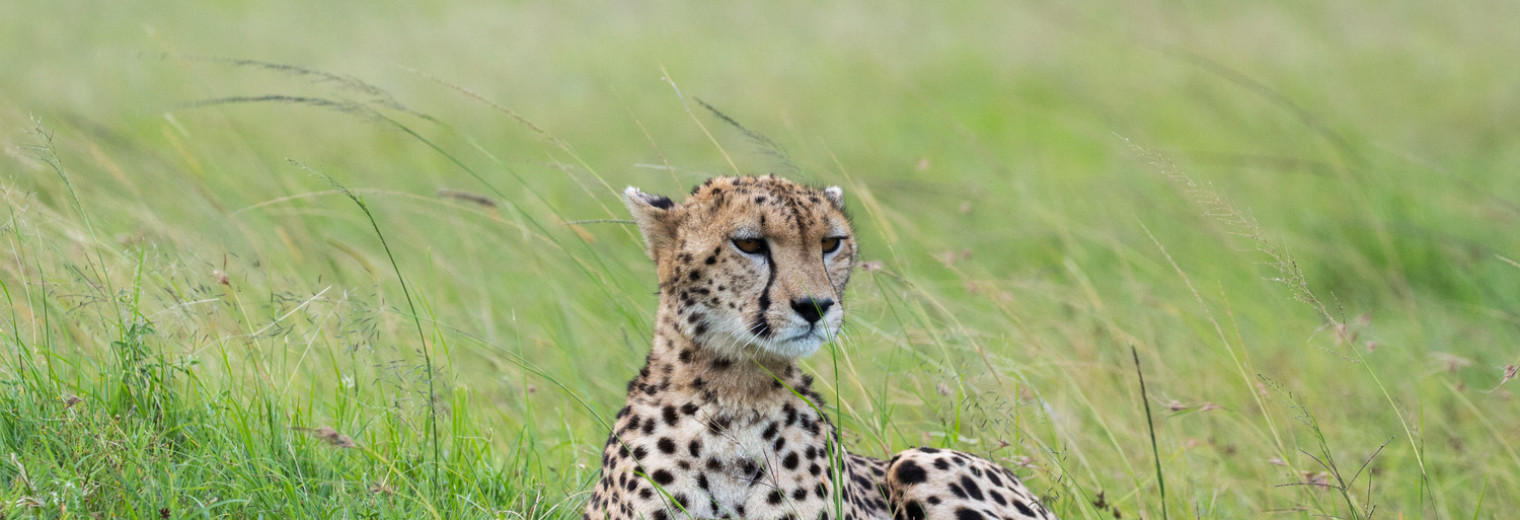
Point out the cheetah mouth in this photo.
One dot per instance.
(792, 341)
(762, 330)
(807, 340)
(811, 333)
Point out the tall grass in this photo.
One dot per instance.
(1307, 258)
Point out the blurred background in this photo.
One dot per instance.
(1300, 216)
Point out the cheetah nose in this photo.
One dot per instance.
(812, 309)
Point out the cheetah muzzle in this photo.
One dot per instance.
(720, 423)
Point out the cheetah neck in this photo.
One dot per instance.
(679, 365)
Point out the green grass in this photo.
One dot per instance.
(1300, 216)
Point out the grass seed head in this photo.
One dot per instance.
(1510, 371)
(467, 197)
(1310, 478)
(331, 436)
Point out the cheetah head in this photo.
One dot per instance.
(750, 265)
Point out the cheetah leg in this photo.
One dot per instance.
(929, 483)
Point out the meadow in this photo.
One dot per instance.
(368, 260)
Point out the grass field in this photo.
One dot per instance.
(353, 260)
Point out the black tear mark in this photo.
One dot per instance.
(762, 327)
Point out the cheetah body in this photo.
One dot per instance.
(720, 423)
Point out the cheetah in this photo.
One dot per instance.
(720, 422)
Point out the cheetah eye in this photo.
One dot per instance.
(831, 244)
(753, 246)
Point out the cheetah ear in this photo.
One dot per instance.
(656, 217)
(835, 195)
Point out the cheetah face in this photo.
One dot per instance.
(750, 265)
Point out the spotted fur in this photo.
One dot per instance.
(720, 423)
